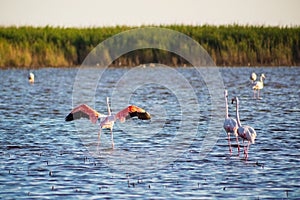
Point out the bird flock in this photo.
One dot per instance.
(232, 126)
(257, 85)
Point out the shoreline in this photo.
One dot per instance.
(121, 67)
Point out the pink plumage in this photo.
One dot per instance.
(107, 121)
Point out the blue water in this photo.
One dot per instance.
(42, 156)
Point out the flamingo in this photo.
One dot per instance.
(253, 77)
(230, 125)
(107, 121)
(258, 85)
(246, 132)
(31, 77)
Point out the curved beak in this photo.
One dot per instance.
(232, 100)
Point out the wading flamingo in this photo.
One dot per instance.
(253, 77)
(258, 85)
(230, 125)
(107, 121)
(246, 132)
(31, 77)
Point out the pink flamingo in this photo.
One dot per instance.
(107, 121)
(246, 132)
(230, 125)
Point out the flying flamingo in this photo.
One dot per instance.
(253, 77)
(107, 121)
(258, 85)
(230, 125)
(245, 132)
(31, 77)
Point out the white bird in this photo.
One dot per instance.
(230, 125)
(246, 132)
(107, 121)
(31, 77)
(258, 85)
(253, 77)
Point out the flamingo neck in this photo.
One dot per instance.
(226, 106)
(108, 108)
(237, 113)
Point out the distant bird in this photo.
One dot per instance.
(253, 77)
(31, 77)
(258, 85)
(246, 132)
(107, 121)
(230, 125)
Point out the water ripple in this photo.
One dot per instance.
(41, 156)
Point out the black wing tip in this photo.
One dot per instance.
(144, 116)
(69, 117)
(140, 115)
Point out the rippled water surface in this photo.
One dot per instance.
(42, 156)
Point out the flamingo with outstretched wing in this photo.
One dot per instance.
(107, 121)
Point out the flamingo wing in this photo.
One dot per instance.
(83, 111)
(258, 85)
(230, 125)
(251, 134)
(132, 111)
(247, 133)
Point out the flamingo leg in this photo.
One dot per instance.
(237, 141)
(246, 151)
(248, 146)
(254, 94)
(230, 150)
(112, 138)
(244, 147)
(99, 137)
(257, 94)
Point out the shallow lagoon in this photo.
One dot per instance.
(43, 156)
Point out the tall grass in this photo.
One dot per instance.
(227, 45)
